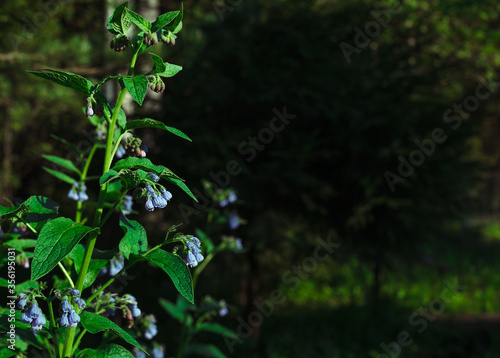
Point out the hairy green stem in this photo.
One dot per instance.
(66, 274)
(201, 267)
(91, 241)
(78, 339)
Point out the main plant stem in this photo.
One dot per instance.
(89, 249)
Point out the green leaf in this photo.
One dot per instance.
(176, 29)
(170, 70)
(67, 79)
(177, 25)
(56, 240)
(164, 20)
(64, 177)
(172, 310)
(21, 245)
(184, 187)
(176, 268)
(137, 86)
(95, 323)
(40, 210)
(108, 176)
(217, 328)
(206, 350)
(26, 286)
(65, 163)
(36, 211)
(99, 260)
(151, 123)
(135, 240)
(129, 178)
(3, 282)
(139, 21)
(158, 66)
(12, 211)
(108, 351)
(121, 119)
(144, 164)
(119, 22)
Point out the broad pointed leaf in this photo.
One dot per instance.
(138, 20)
(151, 123)
(163, 20)
(135, 240)
(64, 177)
(172, 310)
(108, 351)
(119, 22)
(144, 164)
(180, 184)
(40, 210)
(158, 66)
(67, 79)
(55, 241)
(170, 70)
(217, 328)
(176, 268)
(177, 25)
(65, 163)
(137, 86)
(95, 323)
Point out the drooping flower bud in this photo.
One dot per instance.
(168, 37)
(74, 292)
(133, 147)
(119, 43)
(150, 39)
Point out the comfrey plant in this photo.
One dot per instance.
(58, 306)
(199, 252)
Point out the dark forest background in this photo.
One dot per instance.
(413, 67)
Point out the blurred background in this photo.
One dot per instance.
(369, 206)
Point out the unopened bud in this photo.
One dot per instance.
(90, 112)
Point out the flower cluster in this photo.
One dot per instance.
(111, 311)
(229, 199)
(120, 152)
(234, 220)
(131, 310)
(194, 256)
(158, 352)
(167, 37)
(127, 204)
(150, 39)
(223, 310)
(78, 192)
(119, 43)
(156, 84)
(135, 148)
(19, 228)
(69, 317)
(31, 315)
(153, 195)
(151, 328)
(116, 264)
